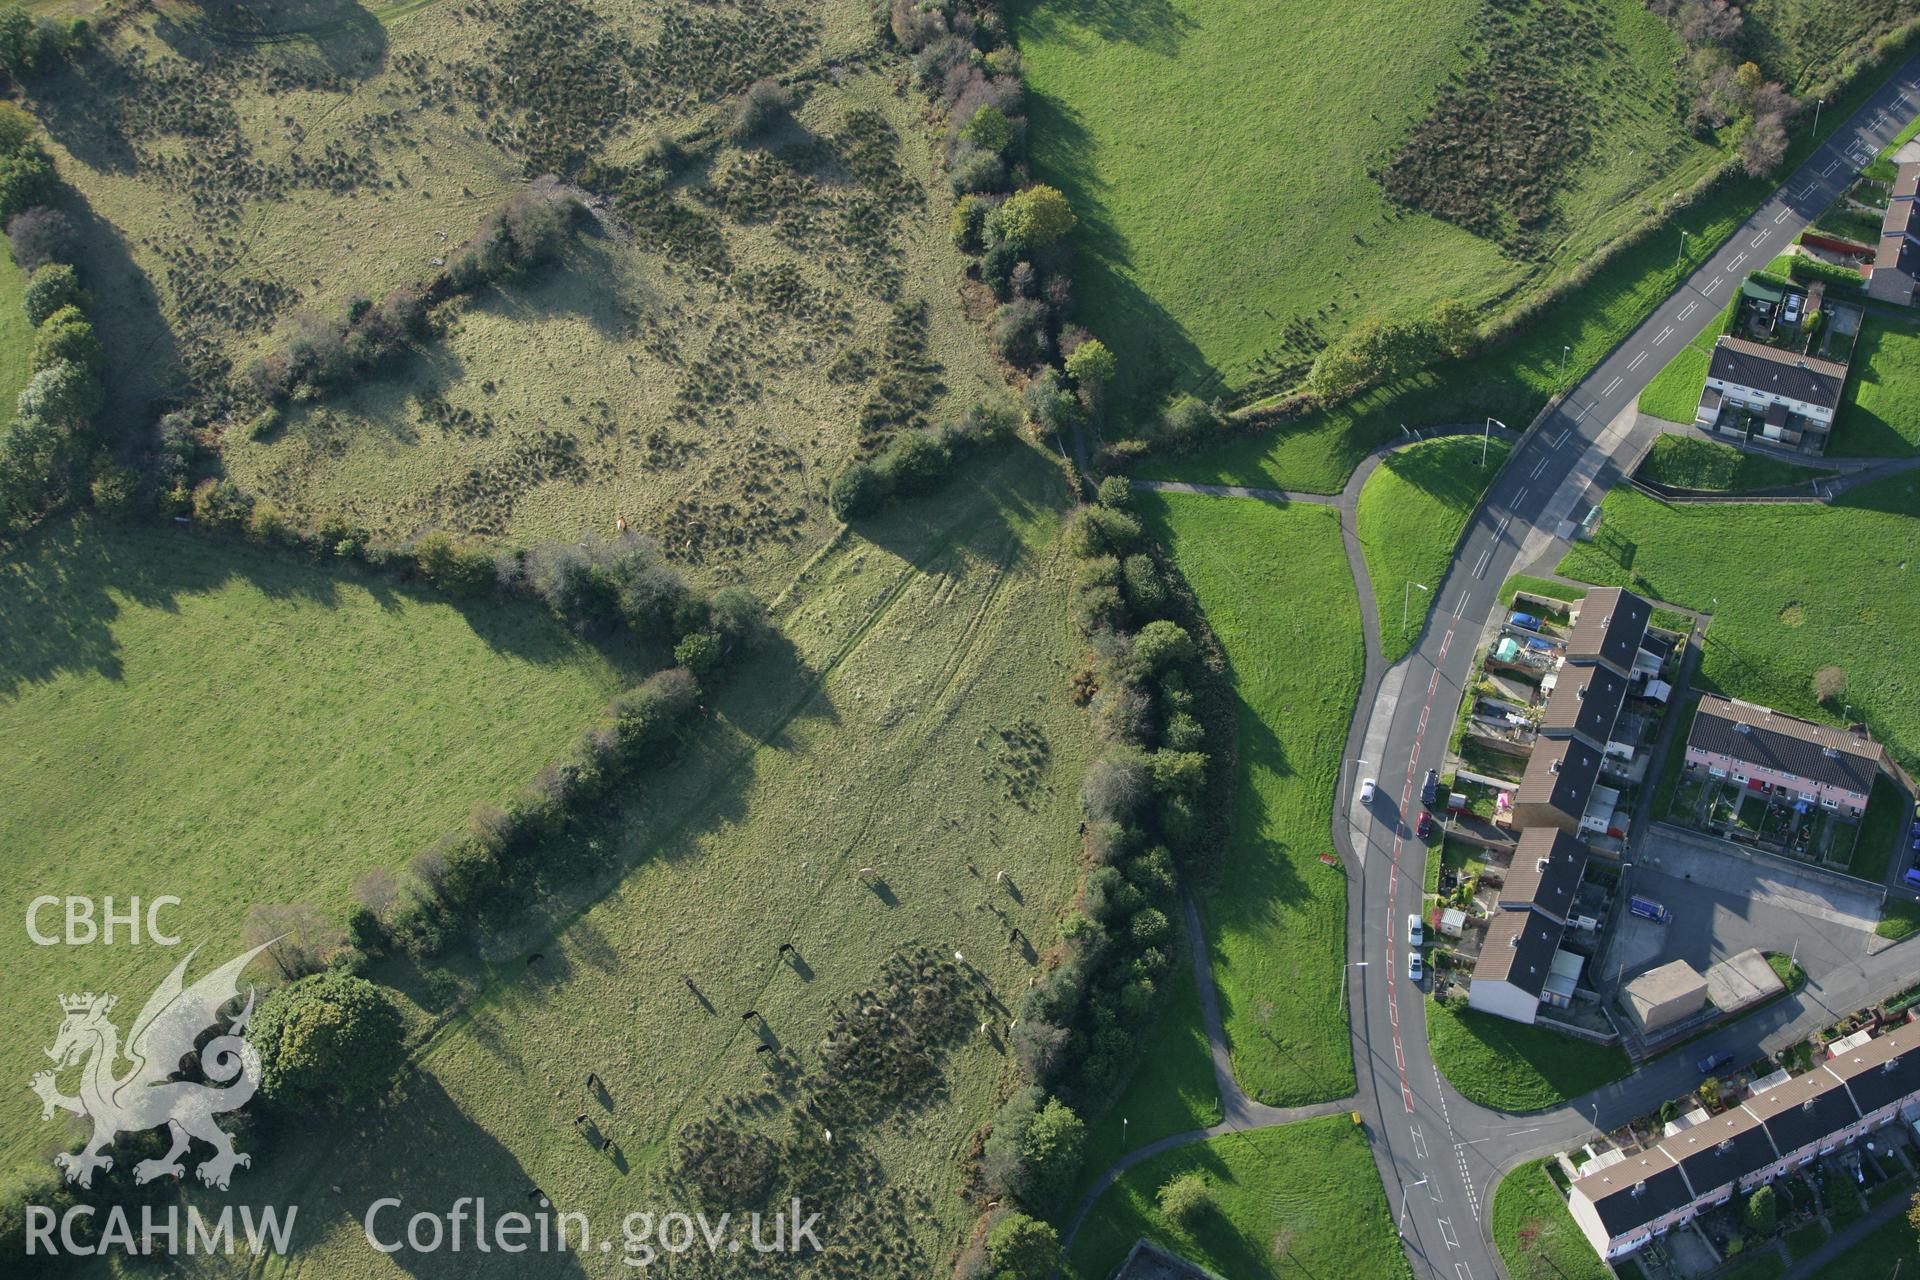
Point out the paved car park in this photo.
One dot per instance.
(1724, 902)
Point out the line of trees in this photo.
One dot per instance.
(50, 448)
(1727, 87)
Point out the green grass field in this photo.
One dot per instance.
(1889, 814)
(232, 727)
(1273, 582)
(1298, 1200)
(1410, 515)
(16, 335)
(1228, 209)
(1687, 462)
(871, 745)
(1535, 1234)
(1885, 1251)
(1879, 413)
(1515, 1067)
(1898, 919)
(1817, 586)
(1674, 392)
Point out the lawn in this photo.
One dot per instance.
(1297, 1200)
(1688, 462)
(231, 726)
(1273, 582)
(872, 743)
(1791, 589)
(1674, 392)
(1879, 413)
(1514, 1067)
(16, 335)
(1887, 1250)
(1534, 1232)
(1229, 219)
(1410, 515)
(1882, 831)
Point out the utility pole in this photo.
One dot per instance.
(1561, 385)
(1817, 105)
(1357, 964)
(1486, 434)
(1402, 1227)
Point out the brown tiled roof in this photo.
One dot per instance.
(1611, 622)
(1762, 736)
(1803, 1110)
(1518, 948)
(1724, 1149)
(1808, 379)
(1900, 225)
(1883, 1070)
(1586, 701)
(1561, 773)
(1635, 1191)
(1549, 887)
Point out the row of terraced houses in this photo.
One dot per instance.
(1778, 1129)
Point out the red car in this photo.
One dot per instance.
(1425, 826)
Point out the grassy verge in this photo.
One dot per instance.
(1812, 586)
(1791, 975)
(1875, 1256)
(1674, 392)
(16, 335)
(229, 726)
(1899, 919)
(1673, 764)
(1889, 814)
(1534, 1232)
(1686, 462)
(1803, 1240)
(1879, 413)
(1552, 590)
(1273, 582)
(1515, 1067)
(1300, 1199)
(1410, 515)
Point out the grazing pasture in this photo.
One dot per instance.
(732, 319)
(1232, 222)
(191, 717)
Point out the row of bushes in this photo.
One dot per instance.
(916, 461)
(50, 445)
(1078, 1028)
(521, 233)
(1806, 269)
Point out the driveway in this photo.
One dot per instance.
(1724, 902)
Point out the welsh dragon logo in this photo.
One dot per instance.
(145, 1095)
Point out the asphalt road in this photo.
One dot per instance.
(1438, 1154)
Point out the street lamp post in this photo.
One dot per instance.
(1817, 105)
(1486, 434)
(1402, 1227)
(1561, 384)
(1357, 964)
(1343, 767)
(1406, 599)
(1682, 251)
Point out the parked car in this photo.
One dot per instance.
(1524, 620)
(1416, 935)
(1790, 313)
(1366, 791)
(1714, 1061)
(1424, 828)
(1414, 970)
(1430, 790)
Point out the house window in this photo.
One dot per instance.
(1829, 802)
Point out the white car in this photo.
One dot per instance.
(1366, 791)
(1416, 936)
(1790, 313)
(1414, 971)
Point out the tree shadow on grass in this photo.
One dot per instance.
(64, 582)
(339, 37)
(1154, 25)
(423, 1148)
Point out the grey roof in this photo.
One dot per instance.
(1519, 949)
(1586, 701)
(1635, 1191)
(1807, 379)
(1900, 225)
(1549, 887)
(1725, 1149)
(1804, 1111)
(1611, 622)
(1560, 773)
(1882, 1070)
(1764, 737)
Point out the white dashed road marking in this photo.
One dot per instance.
(1689, 309)
(1734, 266)
(1781, 217)
(1711, 285)
(1611, 387)
(1540, 466)
(1664, 335)
(1759, 239)
(1636, 362)
(1419, 1141)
